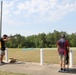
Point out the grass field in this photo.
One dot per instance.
(33, 55)
(10, 73)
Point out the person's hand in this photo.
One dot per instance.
(10, 37)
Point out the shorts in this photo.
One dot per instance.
(62, 57)
(2, 52)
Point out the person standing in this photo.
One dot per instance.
(67, 55)
(2, 47)
(63, 49)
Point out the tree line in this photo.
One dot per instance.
(40, 40)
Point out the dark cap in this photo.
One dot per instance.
(5, 36)
(63, 35)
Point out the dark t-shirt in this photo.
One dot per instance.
(62, 43)
(2, 44)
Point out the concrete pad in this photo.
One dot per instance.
(35, 69)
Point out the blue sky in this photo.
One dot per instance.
(28, 17)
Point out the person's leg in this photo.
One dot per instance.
(64, 63)
(1, 56)
(61, 62)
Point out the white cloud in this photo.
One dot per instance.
(62, 9)
(18, 15)
(50, 9)
(23, 6)
(8, 7)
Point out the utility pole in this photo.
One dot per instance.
(1, 18)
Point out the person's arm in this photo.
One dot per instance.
(58, 46)
(6, 39)
(67, 45)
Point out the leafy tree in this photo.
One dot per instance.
(41, 40)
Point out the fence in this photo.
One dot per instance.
(42, 57)
(70, 58)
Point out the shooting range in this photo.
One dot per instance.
(41, 50)
(30, 60)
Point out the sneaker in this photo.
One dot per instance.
(3, 62)
(60, 70)
(65, 70)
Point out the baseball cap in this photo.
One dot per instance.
(63, 35)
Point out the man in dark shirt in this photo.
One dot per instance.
(63, 48)
(2, 49)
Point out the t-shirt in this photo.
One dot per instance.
(2, 44)
(62, 43)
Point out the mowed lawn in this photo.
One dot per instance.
(10, 73)
(33, 55)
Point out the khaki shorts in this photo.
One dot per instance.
(2, 52)
(62, 57)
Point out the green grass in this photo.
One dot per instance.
(33, 55)
(10, 73)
